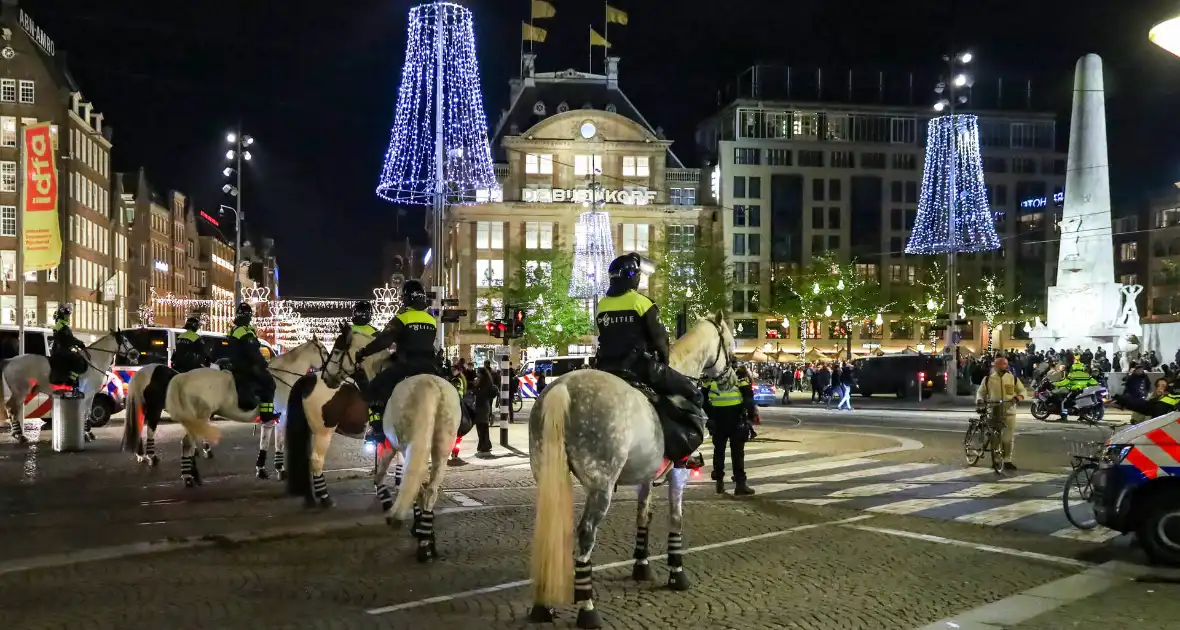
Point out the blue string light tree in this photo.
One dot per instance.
(438, 149)
(953, 213)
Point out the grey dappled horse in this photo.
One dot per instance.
(606, 432)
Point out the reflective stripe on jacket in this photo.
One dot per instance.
(724, 397)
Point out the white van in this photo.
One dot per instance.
(551, 367)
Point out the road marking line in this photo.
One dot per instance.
(1045, 598)
(795, 469)
(462, 499)
(1011, 512)
(972, 545)
(875, 489)
(954, 475)
(1096, 535)
(438, 599)
(1040, 477)
(913, 505)
(871, 472)
(774, 488)
(983, 490)
(819, 501)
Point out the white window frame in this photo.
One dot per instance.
(538, 235)
(7, 220)
(642, 166)
(8, 176)
(481, 273)
(7, 90)
(636, 237)
(489, 235)
(585, 165)
(628, 166)
(28, 88)
(532, 164)
(531, 267)
(8, 131)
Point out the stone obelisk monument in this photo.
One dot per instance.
(1086, 307)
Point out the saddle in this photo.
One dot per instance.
(247, 392)
(684, 429)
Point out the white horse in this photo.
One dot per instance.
(29, 374)
(195, 397)
(606, 432)
(145, 409)
(321, 406)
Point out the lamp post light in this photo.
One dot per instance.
(238, 152)
(1166, 35)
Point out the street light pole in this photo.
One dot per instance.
(236, 154)
(237, 246)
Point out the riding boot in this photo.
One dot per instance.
(375, 432)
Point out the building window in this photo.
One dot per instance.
(1128, 252)
(753, 273)
(8, 131)
(811, 158)
(587, 164)
(8, 90)
(817, 189)
(745, 156)
(739, 216)
(896, 246)
(535, 164)
(842, 159)
(681, 238)
(636, 166)
(817, 218)
(739, 273)
(817, 244)
(755, 190)
(489, 273)
(739, 244)
(911, 192)
(834, 192)
(905, 162)
(754, 245)
(7, 176)
(27, 93)
(635, 237)
(896, 217)
(1129, 278)
(872, 160)
(754, 216)
(7, 220)
(538, 235)
(778, 157)
(683, 196)
(833, 218)
(489, 235)
(833, 242)
(739, 187)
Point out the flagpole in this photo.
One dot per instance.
(605, 35)
(591, 56)
(22, 191)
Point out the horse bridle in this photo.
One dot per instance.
(324, 356)
(721, 353)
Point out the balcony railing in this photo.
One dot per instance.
(683, 175)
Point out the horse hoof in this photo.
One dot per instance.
(207, 453)
(261, 473)
(393, 522)
(282, 475)
(154, 461)
(643, 573)
(21, 439)
(589, 619)
(542, 614)
(189, 482)
(87, 437)
(425, 553)
(679, 581)
(139, 459)
(327, 502)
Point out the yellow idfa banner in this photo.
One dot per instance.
(39, 192)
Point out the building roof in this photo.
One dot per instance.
(540, 95)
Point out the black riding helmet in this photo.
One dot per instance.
(63, 312)
(414, 295)
(243, 315)
(193, 323)
(625, 274)
(362, 313)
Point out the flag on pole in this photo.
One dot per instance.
(532, 33)
(543, 9)
(597, 40)
(615, 15)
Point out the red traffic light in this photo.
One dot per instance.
(489, 326)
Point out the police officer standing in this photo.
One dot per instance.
(190, 353)
(413, 331)
(633, 343)
(728, 407)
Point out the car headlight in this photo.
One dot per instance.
(1116, 453)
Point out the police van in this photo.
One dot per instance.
(551, 367)
(37, 341)
(1137, 486)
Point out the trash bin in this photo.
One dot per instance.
(69, 423)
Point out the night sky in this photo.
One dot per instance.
(315, 83)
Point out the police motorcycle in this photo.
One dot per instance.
(1089, 405)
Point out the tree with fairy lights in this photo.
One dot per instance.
(693, 280)
(827, 290)
(996, 307)
(555, 319)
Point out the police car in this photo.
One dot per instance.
(1137, 486)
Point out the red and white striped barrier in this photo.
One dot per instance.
(38, 406)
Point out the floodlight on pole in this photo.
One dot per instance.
(234, 189)
(1166, 35)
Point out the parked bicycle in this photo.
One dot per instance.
(984, 435)
(517, 402)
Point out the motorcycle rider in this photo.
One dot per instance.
(251, 377)
(1076, 379)
(413, 331)
(633, 345)
(190, 353)
(68, 355)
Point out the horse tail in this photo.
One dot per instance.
(421, 424)
(553, 546)
(298, 438)
(133, 422)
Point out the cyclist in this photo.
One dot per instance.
(1002, 386)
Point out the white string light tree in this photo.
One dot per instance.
(594, 249)
(953, 213)
(438, 150)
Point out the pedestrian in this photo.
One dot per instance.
(1002, 386)
(486, 392)
(786, 381)
(846, 381)
(726, 409)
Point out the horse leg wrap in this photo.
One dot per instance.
(424, 527)
(149, 447)
(280, 461)
(385, 496)
(583, 583)
(188, 470)
(640, 544)
(397, 475)
(676, 552)
(319, 486)
(18, 428)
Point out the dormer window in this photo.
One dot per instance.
(611, 108)
(539, 108)
(563, 108)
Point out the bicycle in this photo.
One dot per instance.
(1083, 459)
(984, 435)
(517, 402)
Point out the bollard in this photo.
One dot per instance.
(69, 423)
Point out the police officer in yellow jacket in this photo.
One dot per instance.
(254, 383)
(728, 406)
(633, 344)
(413, 331)
(1076, 379)
(190, 353)
(362, 318)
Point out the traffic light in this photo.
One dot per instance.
(517, 323)
(495, 328)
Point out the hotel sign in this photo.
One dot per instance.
(35, 33)
(1041, 202)
(581, 195)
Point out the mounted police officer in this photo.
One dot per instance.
(633, 344)
(251, 377)
(190, 353)
(68, 355)
(362, 318)
(413, 331)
